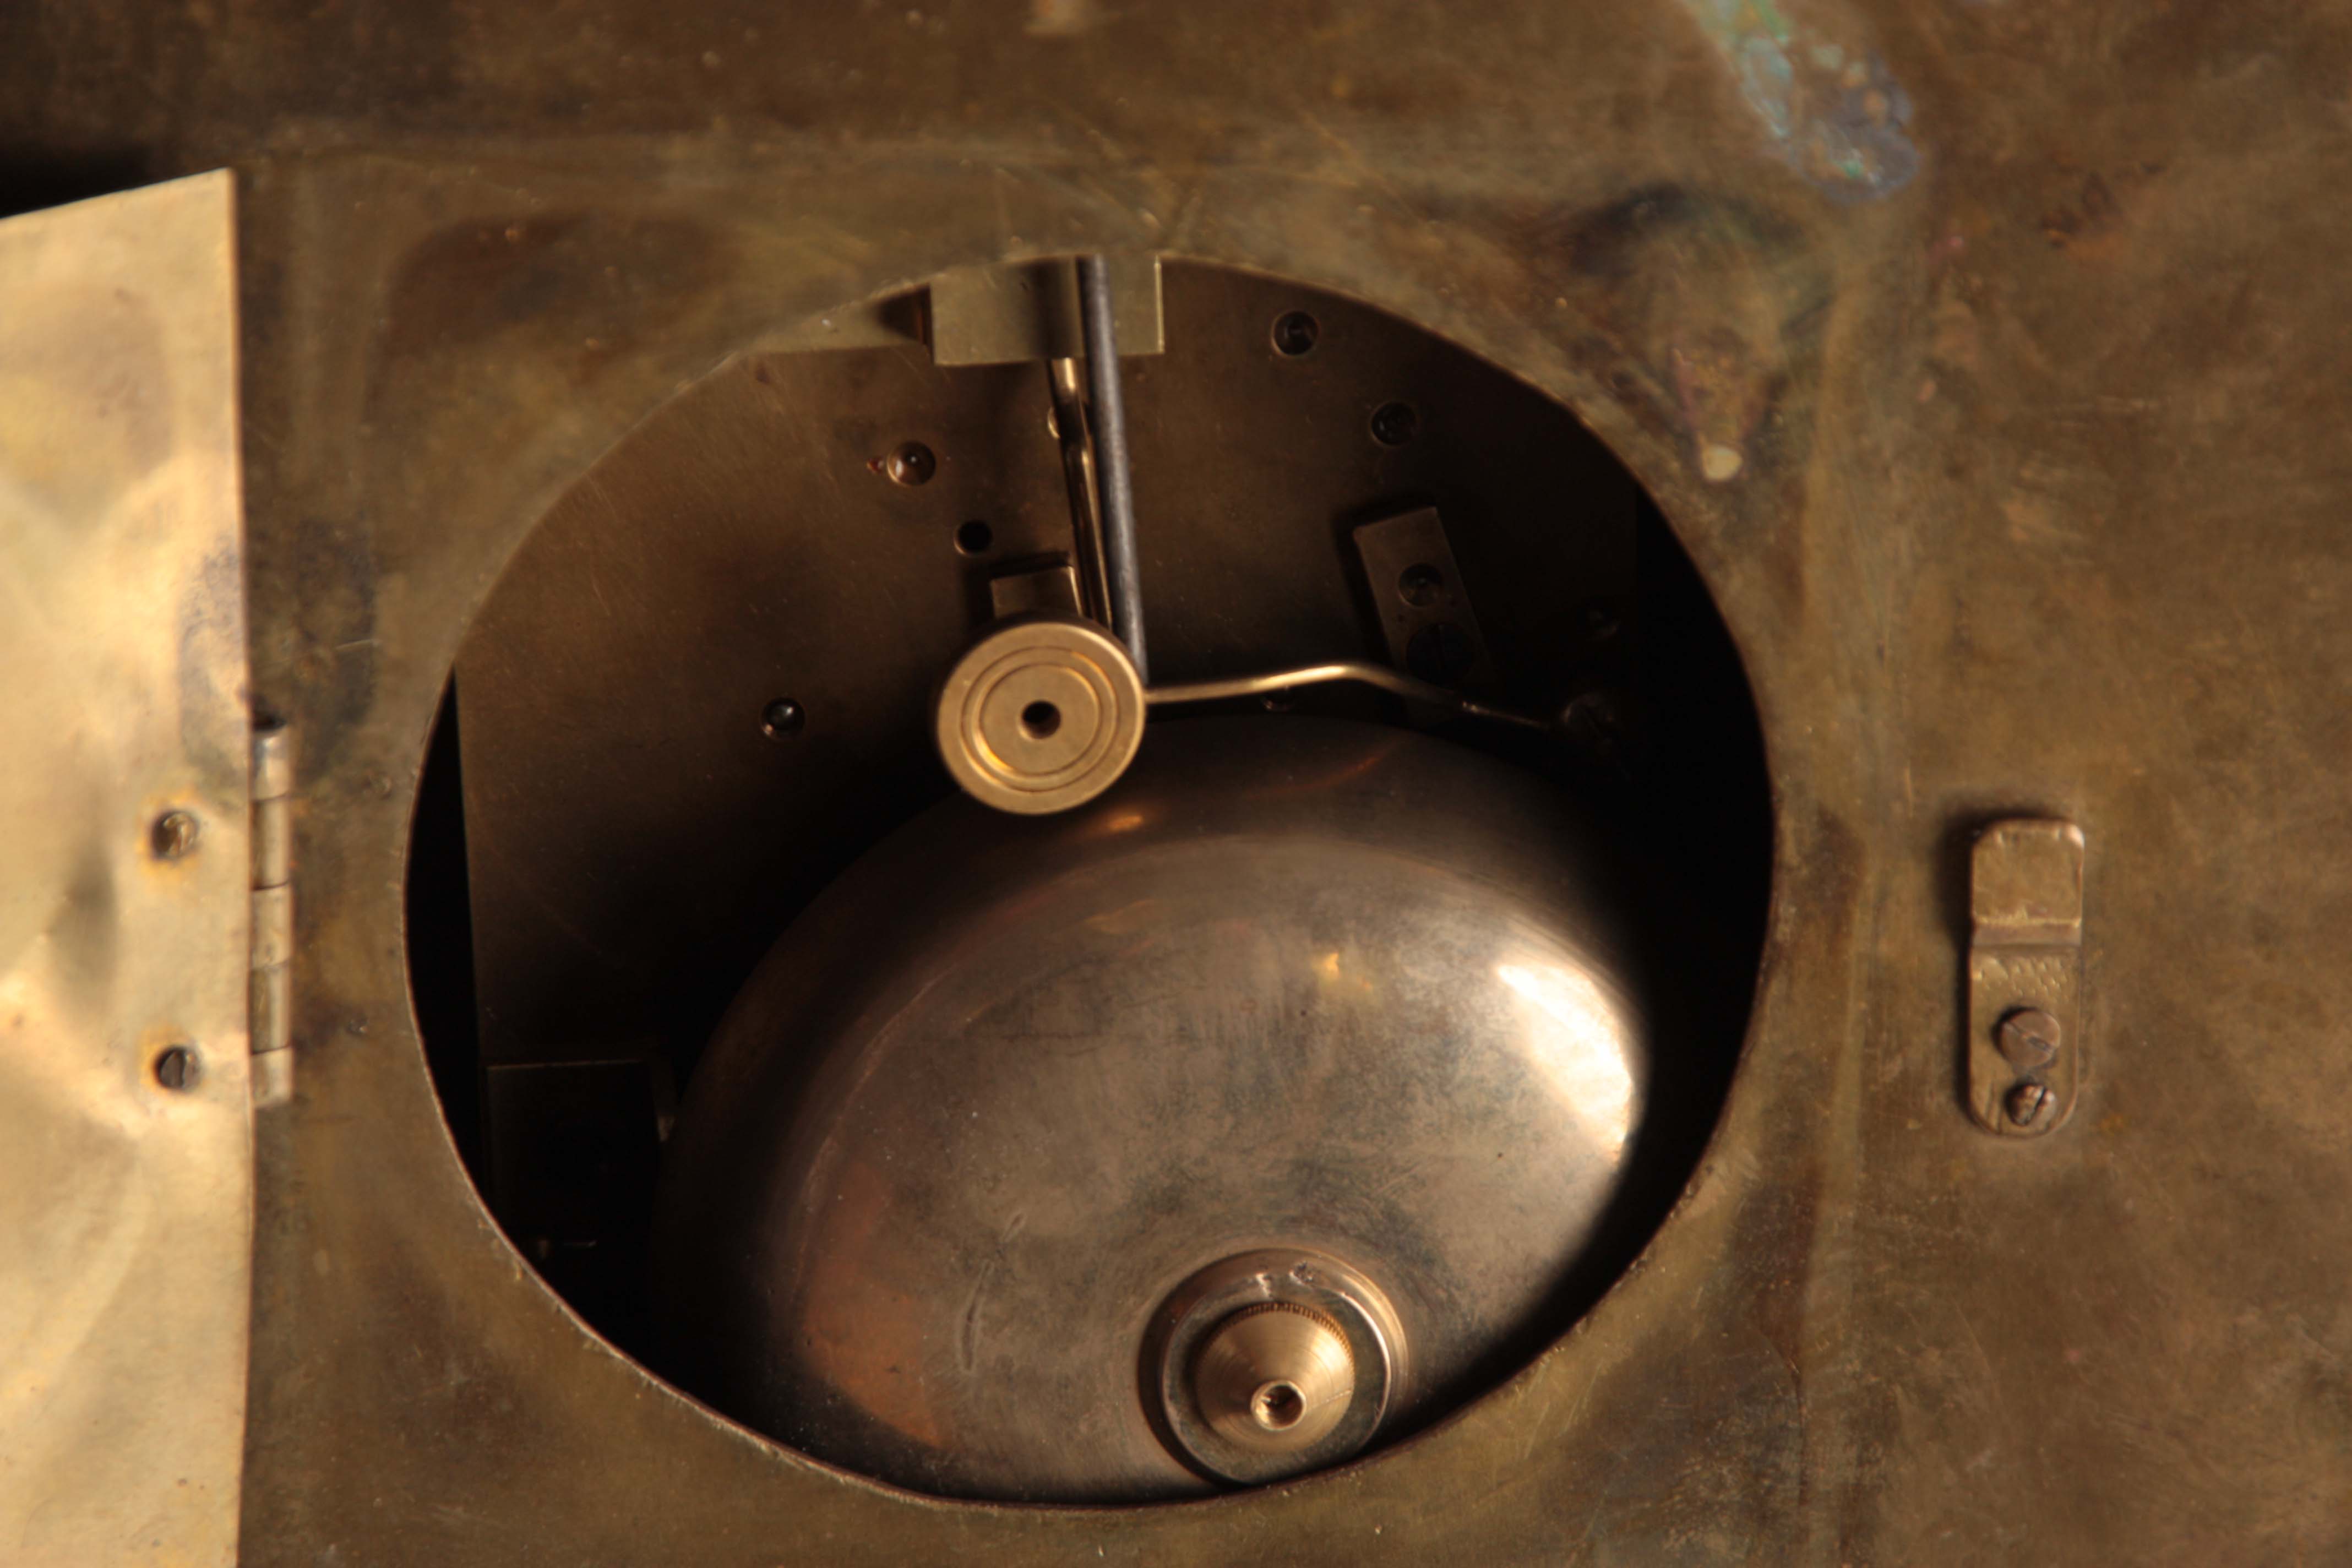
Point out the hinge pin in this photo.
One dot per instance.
(272, 1003)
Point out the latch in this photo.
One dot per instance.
(2025, 977)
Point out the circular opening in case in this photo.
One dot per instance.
(625, 1011)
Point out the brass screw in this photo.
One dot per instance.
(782, 717)
(1294, 333)
(176, 1067)
(1394, 424)
(174, 835)
(911, 463)
(2029, 1037)
(2026, 1103)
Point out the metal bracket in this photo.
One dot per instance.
(1025, 310)
(272, 1005)
(2025, 977)
(1425, 615)
(1046, 587)
(1007, 313)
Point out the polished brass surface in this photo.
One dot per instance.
(1996, 388)
(1274, 1377)
(1009, 1084)
(126, 1162)
(1040, 715)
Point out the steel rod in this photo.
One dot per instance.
(1380, 675)
(1111, 473)
(1068, 381)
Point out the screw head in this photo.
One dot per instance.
(176, 1067)
(911, 463)
(1394, 424)
(2026, 1103)
(2029, 1038)
(174, 835)
(1294, 333)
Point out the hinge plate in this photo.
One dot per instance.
(126, 1144)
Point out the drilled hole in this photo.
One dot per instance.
(1394, 424)
(1040, 720)
(1277, 1406)
(1421, 585)
(975, 537)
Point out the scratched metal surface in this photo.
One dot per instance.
(1987, 356)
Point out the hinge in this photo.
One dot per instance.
(272, 1002)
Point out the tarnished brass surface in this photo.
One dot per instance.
(126, 1166)
(1008, 315)
(1989, 358)
(1008, 1085)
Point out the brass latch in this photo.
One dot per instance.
(2025, 977)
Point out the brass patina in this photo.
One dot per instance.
(1987, 358)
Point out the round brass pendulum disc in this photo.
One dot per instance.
(1042, 714)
